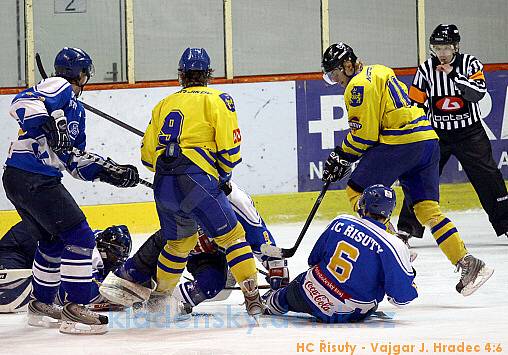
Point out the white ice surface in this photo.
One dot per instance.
(440, 314)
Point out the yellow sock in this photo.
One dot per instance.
(238, 254)
(172, 261)
(446, 235)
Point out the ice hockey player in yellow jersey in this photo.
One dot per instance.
(395, 141)
(193, 143)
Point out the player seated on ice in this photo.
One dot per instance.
(17, 251)
(393, 140)
(353, 265)
(207, 263)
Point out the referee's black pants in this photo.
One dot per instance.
(475, 155)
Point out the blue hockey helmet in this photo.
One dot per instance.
(194, 59)
(378, 200)
(114, 244)
(71, 62)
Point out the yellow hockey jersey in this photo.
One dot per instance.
(203, 122)
(380, 111)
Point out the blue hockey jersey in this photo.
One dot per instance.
(256, 232)
(354, 263)
(30, 152)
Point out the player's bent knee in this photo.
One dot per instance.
(353, 197)
(428, 212)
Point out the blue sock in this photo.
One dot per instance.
(46, 270)
(76, 266)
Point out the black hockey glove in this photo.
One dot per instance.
(225, 183)
(336, 166)
(55, 130)
(120, 175)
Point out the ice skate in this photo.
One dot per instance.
(44, 315)
(123, 292)
(253, 302)
(78, 319)
(474, 273)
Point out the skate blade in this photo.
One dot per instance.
(43, 321)
(118, 296)
(483, 275)
(74, 328)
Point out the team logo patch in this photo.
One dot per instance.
(450, 104)
(73, 128)
(228, 100)
(354, 124)
(356, 96)
(237, 136)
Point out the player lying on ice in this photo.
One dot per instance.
(353, 265)
(17, 251)
(132, 283)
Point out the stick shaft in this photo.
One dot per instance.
(287, 253)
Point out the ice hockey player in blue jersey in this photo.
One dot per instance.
(17, 251)
(353, 265)
(206, 263)
(52, 139)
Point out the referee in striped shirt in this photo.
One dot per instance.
(449, 86)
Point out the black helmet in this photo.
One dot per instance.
(335, 55)
(445, 34)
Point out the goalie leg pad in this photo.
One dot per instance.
(123, 292)
(15, 289)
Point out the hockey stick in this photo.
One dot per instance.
(88, 107)
(276, 252)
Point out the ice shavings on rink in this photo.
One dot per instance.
(439, 317)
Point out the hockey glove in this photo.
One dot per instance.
(225, 183)
(55, 130)
(120, 175)
(336, 166)
(278, 273)
(204, 244)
